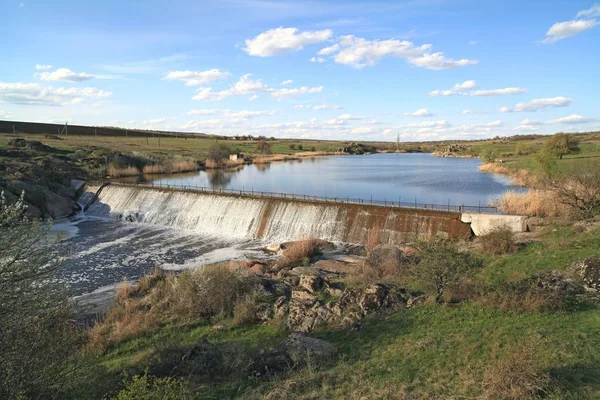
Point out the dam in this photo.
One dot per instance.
(273, 219)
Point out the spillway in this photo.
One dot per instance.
(272, 219)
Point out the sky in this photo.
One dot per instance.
(351, 70)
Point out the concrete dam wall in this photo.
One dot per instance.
(271, 219)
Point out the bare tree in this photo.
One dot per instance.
(578, 187)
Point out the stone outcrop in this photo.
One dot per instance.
(589, 272)
(555, 281)
(42, 202)
(301, 346)
(358, 148)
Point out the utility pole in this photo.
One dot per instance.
(14, 130)
(66, 129)
(95, 133)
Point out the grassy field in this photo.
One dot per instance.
(428, 352)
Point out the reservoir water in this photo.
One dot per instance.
(408, 177)
(129, 232)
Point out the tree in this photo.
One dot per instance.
(300, 147)
(219, 152)
(292, 146)
(562, 144)
(522, 149)
(263, 147)
(545, 162)
(38, 337)
(313, 148)
(578, 187)
(488, 156)
(442, 265)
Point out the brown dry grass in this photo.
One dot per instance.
(273, 158)
(520, 177)
(210, 292)
(518, 374)
(115, 172)
(533, 203)
(171, 167)
(298, 252)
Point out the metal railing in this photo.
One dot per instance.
(340, 200)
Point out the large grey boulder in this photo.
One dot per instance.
(300, 346)
(589, 271)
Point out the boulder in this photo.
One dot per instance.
(299, 271)
(303, 297)
(372, 297)
(556, 281)
(264, 313)
(311, 283)
(589, 271)
(270, 362)
(258, 269)
(204, 354)
(386, 257)
(300, 346)
(337, 267)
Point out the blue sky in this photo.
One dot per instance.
(364, 70)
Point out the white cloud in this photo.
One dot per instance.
(281, 93)
(563, 30)
(283, 40)
(246, 85)
(538, 104)
(466, 85)
(64, 74)
(318, 60)
(466, 89)
(472, 112)
(36, 94)
(232, 117)
(494, 123)
(287, 82)
(359, 53)
(592, 12)
(43, 66)
(473, 42)
(429, 124)
(253, 97)
(571, 119)
(195, 78)
(423, 112)
(327, 107)
(531, 122)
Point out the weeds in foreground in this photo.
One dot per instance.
(500, 240)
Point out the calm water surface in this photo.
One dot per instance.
(391, 177)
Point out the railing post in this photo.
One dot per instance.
(415, 202)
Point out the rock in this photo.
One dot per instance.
(45, 201)
(300, 346)
(281, 307)
(38, 146)
(302, 297)
(556, 281)
(271, 362)
(275, 288)
(77, 184)
(386, 257)
(17, 142)
(257, 269)
(204, 354)
(264, 313)
(372, 297)
(273, 248)
(337, 267)
(589, 271)
(311, 283)
(299, 271)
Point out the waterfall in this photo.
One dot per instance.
(275, 220)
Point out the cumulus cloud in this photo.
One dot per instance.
(538, 104)
(422, 112)
(592, 12)
(318, 60)
(196, 78)
(473, 42)
(571, 119)
(466, 85)
(43, 66)
(36, 94)
(466, 88)
(246, 85)
(64, 74)
(287, 82)
(563, 30)
(283, 40)
(327, 107)
(360, 52)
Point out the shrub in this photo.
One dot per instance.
(218, 153)
(116, 172)
(578, 189)
(383, 261)
(263, 147)
(292, 146)
(442, 265)
(300, 147)
(147, 388)
(562, 144)
(518, 374)
(298, 251)
(313, 148)
(246, 307)
(500, 240)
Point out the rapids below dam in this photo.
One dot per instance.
(130, 230)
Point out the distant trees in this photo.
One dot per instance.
(263, 147)
(562, 144)
(299, 147)
(313, 148)
(219, 152)
(292, 146)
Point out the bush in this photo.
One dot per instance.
(292, 146)
(300, 147)
(383, 261)
(299, 251)
(147, 388)
(578, 188)
(218, 153)
(263, 147)
(500, 240)
(313, 148)
(442, 265)
(518, 374)
(562, 144)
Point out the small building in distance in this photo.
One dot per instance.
(236, 156)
